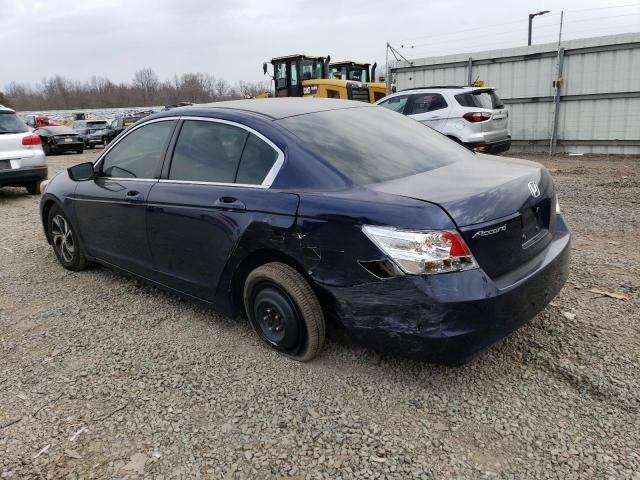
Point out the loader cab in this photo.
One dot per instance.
(353, 71)
(290, 71)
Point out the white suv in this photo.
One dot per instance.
(474, 117)
(22, 161)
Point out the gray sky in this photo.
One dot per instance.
(231, 39)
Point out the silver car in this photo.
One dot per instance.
(22, 160)
(472, 116)
(93, 132)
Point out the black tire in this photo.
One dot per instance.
(65, 242)
(34, 188)
(91, 146)
(80, 151)
(284, 311)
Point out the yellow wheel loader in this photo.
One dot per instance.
(359, 71)
(308, 76)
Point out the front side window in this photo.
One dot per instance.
(396, 104)
(427, 102)
(207, 152)
(294, 73)
(138, 155)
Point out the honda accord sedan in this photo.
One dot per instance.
(303, 214)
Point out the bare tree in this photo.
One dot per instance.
(145, 90)
(147, 81)
(221, 89)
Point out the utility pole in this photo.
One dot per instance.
(557, 84)
(531, 17)
(397, 55)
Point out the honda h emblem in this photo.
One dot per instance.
(534, 189)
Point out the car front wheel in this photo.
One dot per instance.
(65, 242)
(284, 311)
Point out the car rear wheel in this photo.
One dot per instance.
(34, 188)
(284, 311)
(80, 150)
(65, 242)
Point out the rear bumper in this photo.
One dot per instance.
(66, 147)
(449, 318)
(490, 147)
(22, 176)
(94, 140)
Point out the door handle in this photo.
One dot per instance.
(230, 202)
(134, 196)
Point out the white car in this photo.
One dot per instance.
(22, 160)
(472, 116)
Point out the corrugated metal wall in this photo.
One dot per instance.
(599, 109)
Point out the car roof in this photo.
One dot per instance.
(6, 109)
(445, 87)
(274, 108)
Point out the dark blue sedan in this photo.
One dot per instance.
(308, 213)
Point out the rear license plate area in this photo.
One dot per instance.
(5, 164)
(532, 225)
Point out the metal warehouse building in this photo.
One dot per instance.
(594, 108)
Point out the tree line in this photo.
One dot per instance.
(146, 89)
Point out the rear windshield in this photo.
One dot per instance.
(480, 99)
(11, 123)
(373, 144)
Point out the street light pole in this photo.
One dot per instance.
(531, 16)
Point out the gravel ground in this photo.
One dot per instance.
(102, 376)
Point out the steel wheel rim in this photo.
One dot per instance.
(277, 318)
(62, 237)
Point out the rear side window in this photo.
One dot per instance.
(138, 155)
(207, 152)
(426, 102)
(480, 99)
(257, 160)
(10, 123)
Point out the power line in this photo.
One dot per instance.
(524, 21)
(538, 27)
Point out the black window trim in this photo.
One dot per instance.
(268, 179)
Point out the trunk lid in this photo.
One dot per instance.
(502, 207)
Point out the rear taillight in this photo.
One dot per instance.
(422, 252)
(475, 117)
(31, 140)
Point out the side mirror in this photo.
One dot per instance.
(81, 172)
(264, 68)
